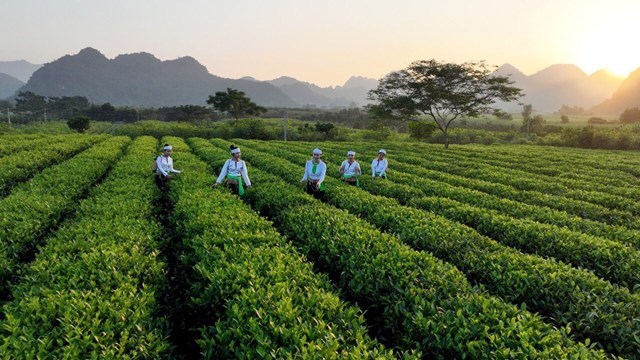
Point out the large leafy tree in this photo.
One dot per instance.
(235, 102)
(29, 102)
(442, 92)
(67, 106)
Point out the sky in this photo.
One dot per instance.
(326, 42)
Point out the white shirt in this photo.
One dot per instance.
(165, 165)
(321, 171)
(234, 168)
(378, 166)
(350, 169)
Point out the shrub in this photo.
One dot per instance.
(79, 123)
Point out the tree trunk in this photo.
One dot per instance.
(446, 139)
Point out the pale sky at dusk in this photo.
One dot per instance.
(325, 42)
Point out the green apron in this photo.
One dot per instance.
(239, 180)
(313, 170)
(353, 176)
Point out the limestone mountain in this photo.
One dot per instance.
(353, 92)
(141, 79)
(20, 69)
(627, 96)
(561, 84)
(8, 85)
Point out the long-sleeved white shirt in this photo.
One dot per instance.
(351, 169)
(234, 168)
(378, 166)
(165, 165)
(321, 171)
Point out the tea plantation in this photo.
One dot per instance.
(474, 252)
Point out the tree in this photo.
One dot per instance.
(630, 115)
(79, 123)
(235, 102)
(442, 92)
(4, 105)
(104, 112)
(194, 112)
(28, 101)
(531, 124)
(527, 110)
(67, 106)
(564, 119)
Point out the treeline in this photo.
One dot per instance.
(356, 118)
(30, 107)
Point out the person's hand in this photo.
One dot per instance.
(250, 186)
(216, 184)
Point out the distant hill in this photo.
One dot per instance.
(627, 96)
(354, 91)
(556, 85)
(8, 85)
(20, 69)
(142, 80)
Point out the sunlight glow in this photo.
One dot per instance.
(608, 44)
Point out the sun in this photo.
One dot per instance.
(609, 45)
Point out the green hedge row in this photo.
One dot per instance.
(418, 300)
(22, 165)
(517, 190)
(566, 171)
(603, 164)
(41, 203)
(10, 144)
(522, 180)
(593, 307)
(91, 291)
(263, 298)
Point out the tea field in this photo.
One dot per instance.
(504, 251)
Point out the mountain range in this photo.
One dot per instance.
(561, 84)
(140, 79)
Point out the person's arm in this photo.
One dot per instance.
(245, 174)
(171, 169)
(159, 165)
(385, 164)
(305, 177)
(358, 169)
(323, 172)
(223, 172)
(373, 169)
(341, 169)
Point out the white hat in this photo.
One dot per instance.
(351, 152)
(382, 151)
(168, 147)
(235, 151)
(317, 151)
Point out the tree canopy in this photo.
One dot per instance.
(235, 102)
(79, 123)
(442, 92)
